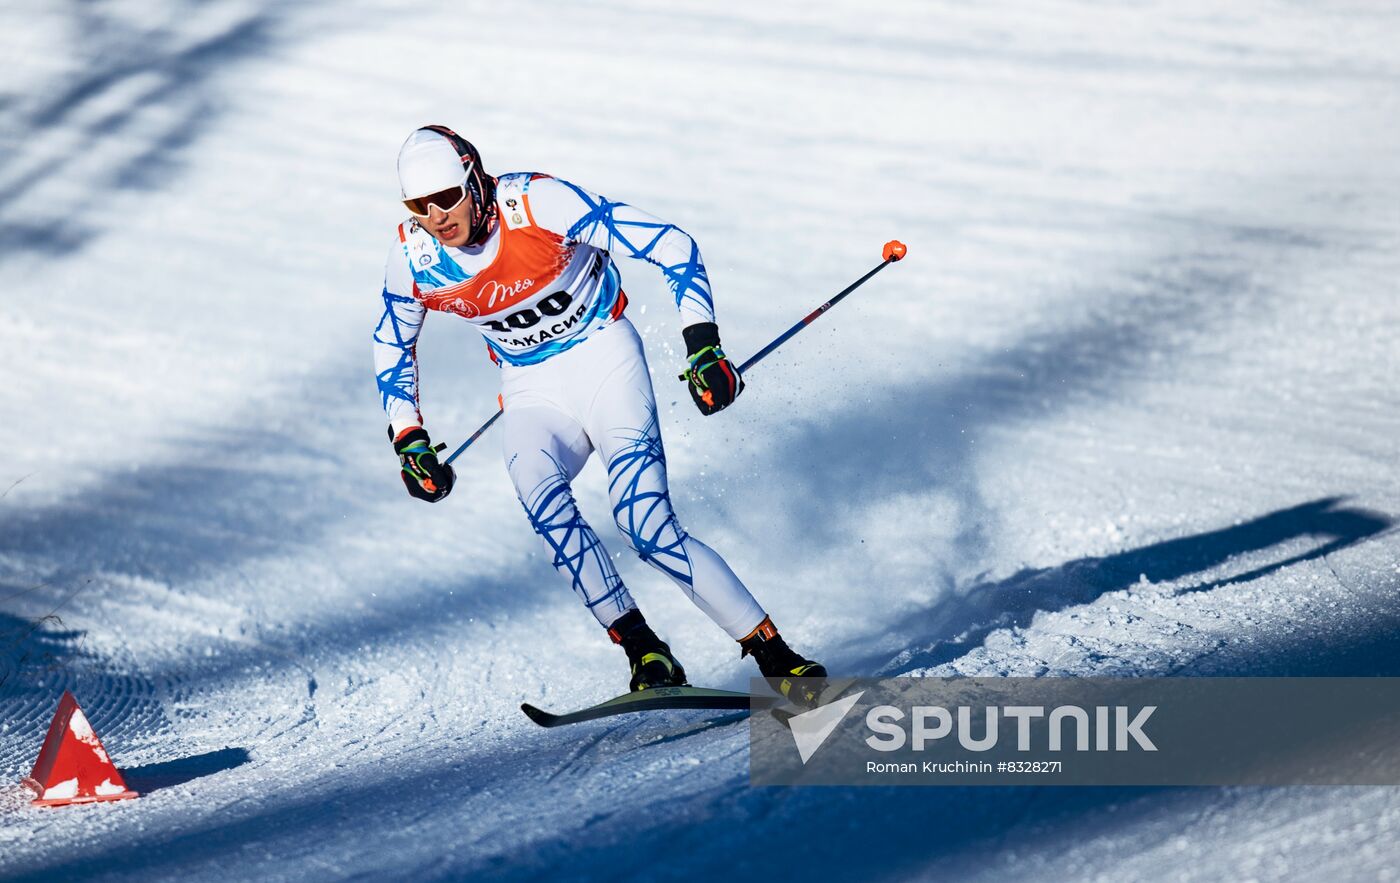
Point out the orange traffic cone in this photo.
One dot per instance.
(73, 767)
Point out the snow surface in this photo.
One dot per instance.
(1130, 407)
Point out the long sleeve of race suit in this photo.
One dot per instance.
(395, 339)
(621, 229)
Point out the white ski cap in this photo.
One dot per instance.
(428, 163)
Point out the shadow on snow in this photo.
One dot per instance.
(155, 776)
(897, 830)
(965, 619)
(148, 87)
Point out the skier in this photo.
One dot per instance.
(528, 259)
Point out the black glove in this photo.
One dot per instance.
(423, 475)
(713, 380)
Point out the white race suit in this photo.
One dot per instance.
(544, 292)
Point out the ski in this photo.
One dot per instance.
(654, 699)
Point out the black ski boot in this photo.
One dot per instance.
(652, 662)
(782, 665)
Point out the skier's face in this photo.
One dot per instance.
(450, 228)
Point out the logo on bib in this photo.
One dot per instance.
(514, 216)
(464, 309)
(494, 290)
(422, 252)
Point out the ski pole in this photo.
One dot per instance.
(894, 250)
(474, 436)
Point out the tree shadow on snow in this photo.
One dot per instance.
(229, 499)
(917, 434)
(829, 833)
(962, 621)
(37, 663)
(149, 87)
(40, 657)
(38, 644)
(881, 833)
(857, 833)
